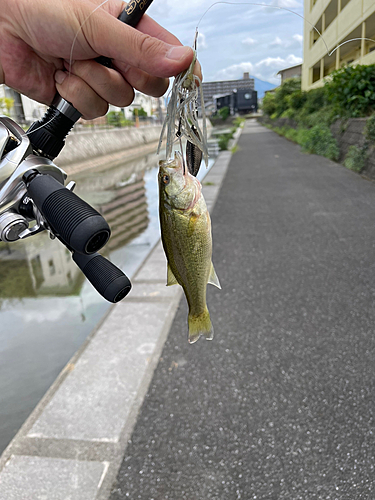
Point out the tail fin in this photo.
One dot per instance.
(200, 325)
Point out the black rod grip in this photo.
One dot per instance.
(106, 278)
(78, 225)
(131, 16)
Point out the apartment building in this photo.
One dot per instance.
(338, 21)
(226, 86)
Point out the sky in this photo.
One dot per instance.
(237, 38)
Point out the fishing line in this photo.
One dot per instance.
(287, 10)
(71, 57)
(196, 32)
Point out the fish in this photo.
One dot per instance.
(187, 241)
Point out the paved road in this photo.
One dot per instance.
(280, 405)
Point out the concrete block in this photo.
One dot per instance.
(37, 478)
(96, 399)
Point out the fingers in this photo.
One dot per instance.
(74, 90)
(111, 38)
(142, 81)
(150, 27)
(107, 83)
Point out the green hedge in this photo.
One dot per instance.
(347, 93)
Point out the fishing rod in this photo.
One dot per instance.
(33, 195)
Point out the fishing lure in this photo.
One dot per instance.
(182, 117)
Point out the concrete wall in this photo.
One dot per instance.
(88, 144)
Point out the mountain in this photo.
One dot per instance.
(261, 86)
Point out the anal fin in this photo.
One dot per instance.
(213, 279)
(171, 279)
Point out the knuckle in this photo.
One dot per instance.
(124, 100)
(147, 47)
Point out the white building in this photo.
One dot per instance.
(150, 104)
(24, 109)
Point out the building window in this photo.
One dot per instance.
(330, 13)
(315, 73)
(344, 3)
(314, 32)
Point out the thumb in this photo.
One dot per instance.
(111, 38)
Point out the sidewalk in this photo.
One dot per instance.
(73, 443)
(280, 405)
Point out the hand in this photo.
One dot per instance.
(38, 39)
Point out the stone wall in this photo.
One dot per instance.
(347, 133)
(84, 145)
(351, 133)
(279, 122)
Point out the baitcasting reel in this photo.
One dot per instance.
(33, 198)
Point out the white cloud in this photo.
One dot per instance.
(201, 42)
(265, 69)
(249, 41)
(298, 38)
(277, 42)
(286, 4)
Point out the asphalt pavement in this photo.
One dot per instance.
(280, 405)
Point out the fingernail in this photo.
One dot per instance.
(177, 52)
(60, 76)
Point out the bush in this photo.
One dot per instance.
(238, 121)
(320, 141)
(283, 94)
(297, 99)
(356, 158)
(352, 90)
(326, 115)
(369, 131)
(140, 112)
(224, 112)
(268, 104)
(224, 139)
(117, 119)
(6, 104)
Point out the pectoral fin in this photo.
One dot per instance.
(213, 279)
(171, 279)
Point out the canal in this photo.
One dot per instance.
(47, 307)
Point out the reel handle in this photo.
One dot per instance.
(78, 225)
(106, 278)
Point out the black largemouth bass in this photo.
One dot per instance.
(187, 241)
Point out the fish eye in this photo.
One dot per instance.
(165, 179)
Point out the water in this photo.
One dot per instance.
(47, 308)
